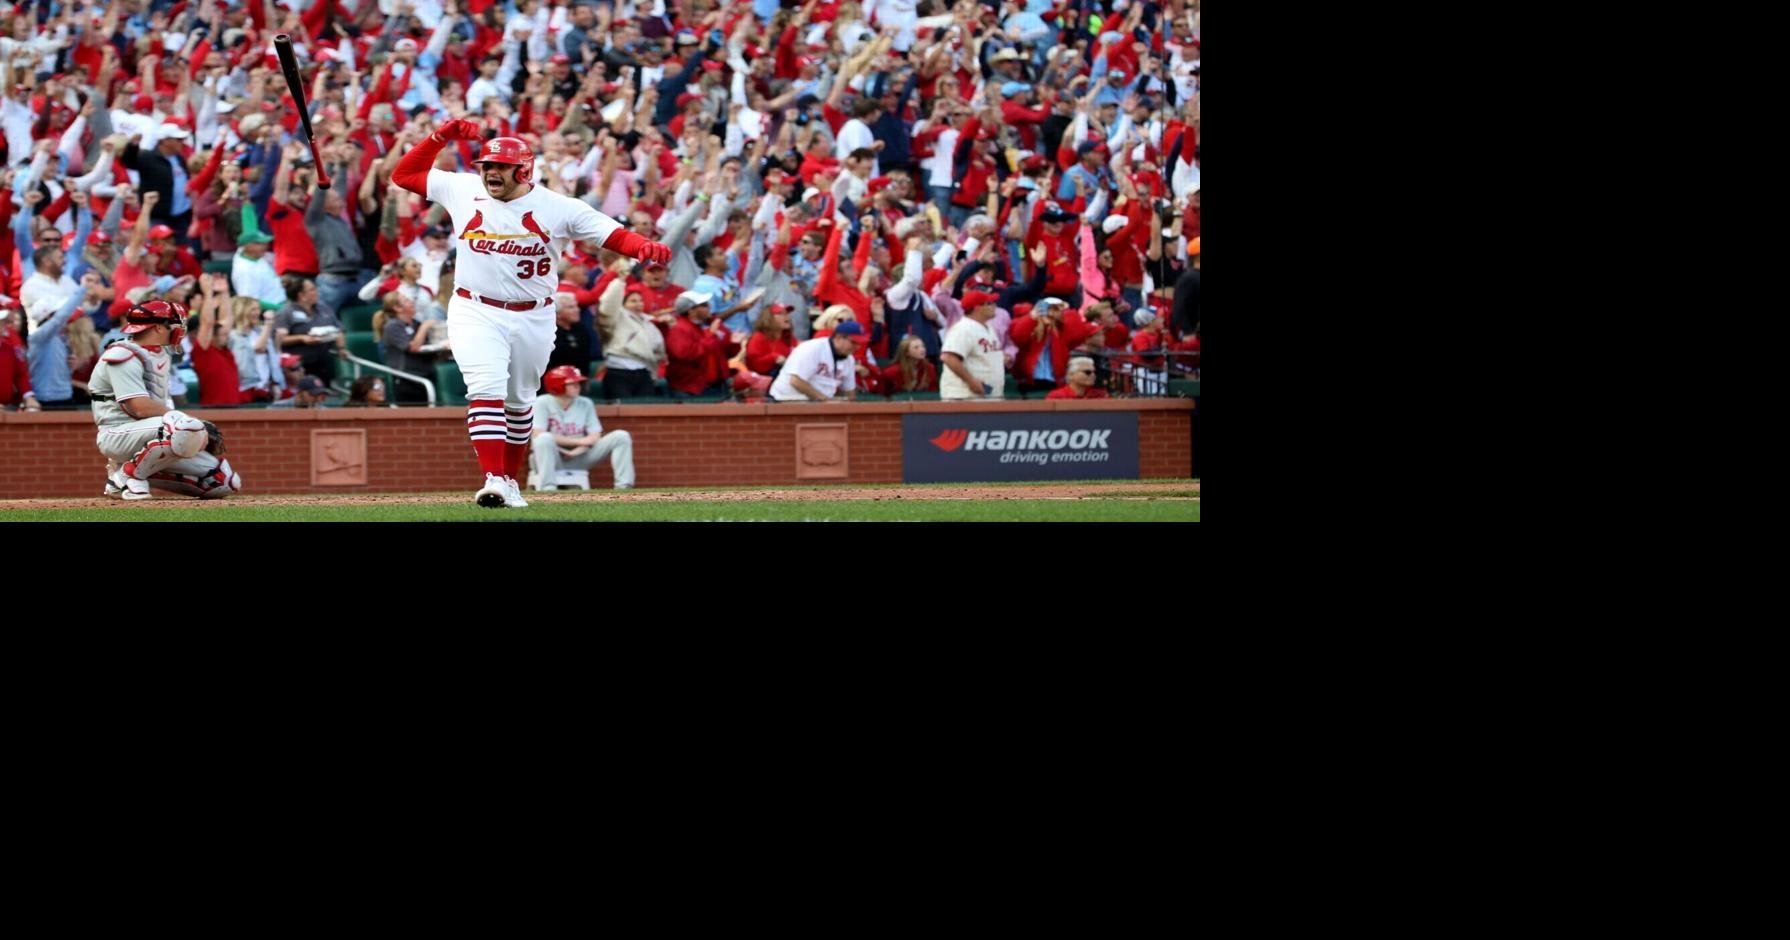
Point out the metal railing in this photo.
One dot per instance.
(428, 386)
(1143, 375)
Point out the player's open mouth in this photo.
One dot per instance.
(494, 183)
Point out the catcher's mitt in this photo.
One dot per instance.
(214, 440)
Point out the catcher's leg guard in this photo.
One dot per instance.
(202, 477)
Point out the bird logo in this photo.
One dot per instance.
(478, 219)
(528, 222)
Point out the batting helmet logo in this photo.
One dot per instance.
(561, 376)
(511, 151)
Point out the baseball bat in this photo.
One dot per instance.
(282, 44)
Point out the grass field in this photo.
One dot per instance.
(1103, 501)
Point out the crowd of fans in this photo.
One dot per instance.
(808, 163)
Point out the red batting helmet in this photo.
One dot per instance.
(512, 151)
(155, 313)
(561, 376)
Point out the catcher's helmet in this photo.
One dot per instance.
(156, 313)
(561, 376)
(511, 151)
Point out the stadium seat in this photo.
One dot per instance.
(359, 319)
(1011, 391)
(450, 385)
(365, 345)
(217, 267)
(1184, 388)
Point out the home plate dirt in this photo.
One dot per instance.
(1182, 490)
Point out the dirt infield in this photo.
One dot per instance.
(1173, 490)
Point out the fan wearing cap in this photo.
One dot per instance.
(145, 441)
(823, 368)
(1054, 231)
(511, 235)
(698, 348)
(163, 170)
(1019, 113)
(1045, 335)
(975, 367)
(569, 436)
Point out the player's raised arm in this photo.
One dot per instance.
(413, 171)
(610, 234)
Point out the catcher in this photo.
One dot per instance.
(145, 441)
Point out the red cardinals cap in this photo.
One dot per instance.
(160, 231)
(977, 298)
(560, 59)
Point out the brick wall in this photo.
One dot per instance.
(423, 450)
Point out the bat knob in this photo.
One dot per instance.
(282, 37)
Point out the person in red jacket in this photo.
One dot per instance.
(910, 372)
(657, 290)
(1044, 336)
(698, 350)
(772, 339)
(1080, 382)
(1055, 228)
(15, 370)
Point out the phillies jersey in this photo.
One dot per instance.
(127, 371)
(814, 362)
(980, 349)
(510, 251)
(576, 421)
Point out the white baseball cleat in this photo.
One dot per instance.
(136, 489)
(114, 484)
(512, 495)
(491, 495)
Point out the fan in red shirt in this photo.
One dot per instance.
(698, 352)
(215, 364)
(910, 372)
(657, 291)
(1080, 382)
(1049, 328)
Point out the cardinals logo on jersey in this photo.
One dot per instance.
(503, 243)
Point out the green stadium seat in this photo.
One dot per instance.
(1011, 390)
(919, 396)
(359, 318)
(217, 267)
(1184, 388)
(450, 385)
(365, 345)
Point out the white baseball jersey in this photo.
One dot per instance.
(813, 362)
(125, 371)
(981, 352)
(577, 421)
(510, 250)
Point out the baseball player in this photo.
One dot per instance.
(974, 366)
(510, 235)
(569, 436)
(145, 441)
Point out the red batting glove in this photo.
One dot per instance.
(458, 130)
(625, 242)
